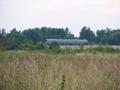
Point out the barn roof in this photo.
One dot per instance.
(68, 41)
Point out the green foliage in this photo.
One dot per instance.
(41, 46)
(86, 33)
(41, 34)
(16, 40)
(103, 49)
(28, 46)
(2, 39)
(108, 36)
(13, 40)
(68, 50)
(32, 34)
(55, 47)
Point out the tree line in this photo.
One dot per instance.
(36, 37)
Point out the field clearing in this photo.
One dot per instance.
(21, 70)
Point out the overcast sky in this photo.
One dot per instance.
(73, 14)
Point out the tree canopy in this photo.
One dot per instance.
(87, 33)
(17, 39)
(37, 36)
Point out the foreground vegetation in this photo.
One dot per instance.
(35, 70)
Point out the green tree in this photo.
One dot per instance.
(14, 39)
(2, 38)
(115, 37)
(87, 33)
(104, 36)
(68, 34)
(31, 34)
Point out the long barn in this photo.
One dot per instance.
(68, 41)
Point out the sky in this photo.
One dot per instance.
(74, 14)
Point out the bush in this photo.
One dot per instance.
(41, 46)
(55, 47)
(28, 46)
(105, 49)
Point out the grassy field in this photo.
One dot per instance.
(20, 70)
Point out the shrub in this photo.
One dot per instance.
(105, 49)
(28, 46)
(55, 47)
(41, 46)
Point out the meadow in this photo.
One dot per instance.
(35, 70)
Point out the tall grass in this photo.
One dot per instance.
(21, 70)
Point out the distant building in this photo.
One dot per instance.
(68, 41)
